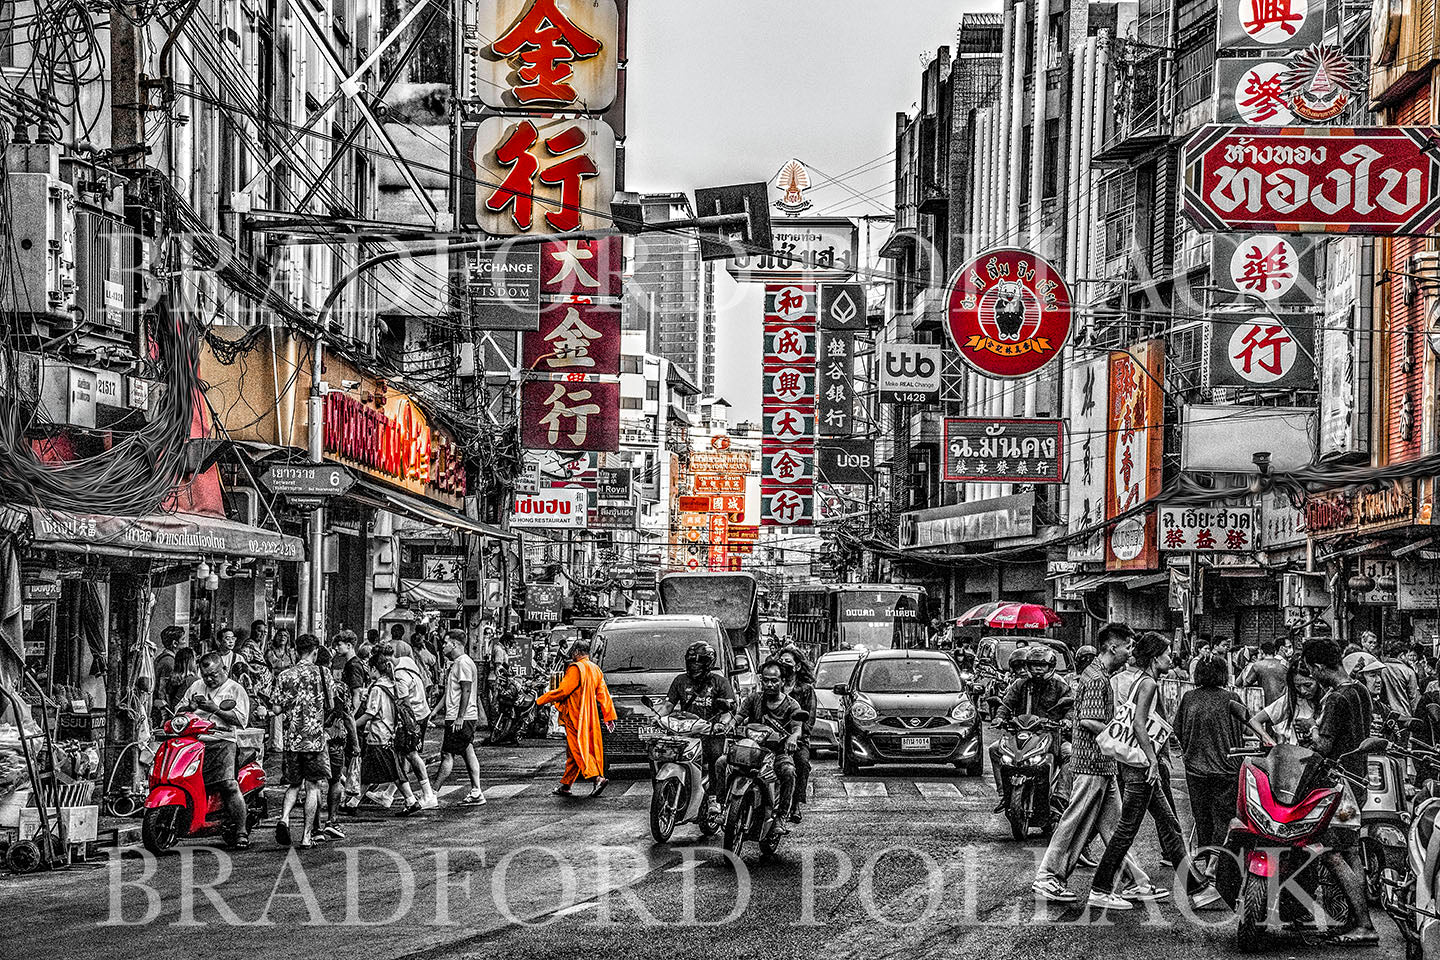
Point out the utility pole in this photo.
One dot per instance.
(316, 563)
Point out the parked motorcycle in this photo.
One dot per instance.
(515, 707)
(1288, 798)
(1028, 774)
(751, 785)
(678, 790)
(1407, 884)
(178, 804)
(1384, 821)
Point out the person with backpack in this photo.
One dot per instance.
(389, 729)
(410, 682)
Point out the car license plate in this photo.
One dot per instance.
(650, 731)
(914, 743)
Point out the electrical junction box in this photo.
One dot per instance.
(43, 222)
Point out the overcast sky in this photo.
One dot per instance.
(725, 91)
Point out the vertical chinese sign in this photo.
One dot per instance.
(546, 70)
(842, 313)
(787, 447)
(571, 400)
(1135, 439)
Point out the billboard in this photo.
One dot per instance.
(1005, 451)
(1135, 438)
(909, 373)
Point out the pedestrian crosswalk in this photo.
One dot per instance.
(824, 788)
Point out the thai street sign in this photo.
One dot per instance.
(1005, 451)
(308, 479)
(803, 250)
(1008, 312)
(1375, 180)
(1208, 529)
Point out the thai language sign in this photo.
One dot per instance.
(1207, 529)
(1005, 451)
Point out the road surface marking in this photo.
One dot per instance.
(453, 788)
(639, 788)
(502, 791)
(575, 909)
(866, 788)
(937, 791)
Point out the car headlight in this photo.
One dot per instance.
(963, 711)
(863, 711)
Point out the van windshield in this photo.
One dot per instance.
(649, 649)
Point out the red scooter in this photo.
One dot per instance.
(178, 804)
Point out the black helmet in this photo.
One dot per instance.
(699, 658)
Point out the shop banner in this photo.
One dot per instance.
(551, 508)
(581, 268)
(563, 415)
(789, 406)
(1275, 268)
(1262, 350)
(1005, 451)
(846, 461)
(1135, 437)
(836, 411)
(1208, 529)
(573, 338)
(615, 485)
(909, 373)
(1085, 470)
(1273, 25)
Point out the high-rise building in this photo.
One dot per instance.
(674, 291)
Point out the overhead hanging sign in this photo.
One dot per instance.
(1373, 180)
(909, 373)
(835, 374)
(1262, 350)
(1208, 529)
(846, 461)
(804, 250)
(843, 306)
(1005, 451)
(535, 55)
(537, 174)
(1008, 313)
(787, 446)
(1271, 24)
(562, 508)
(1275, 268)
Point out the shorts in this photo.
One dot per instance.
(338, 763)
(298, 767)
(379, 763)
(458, 736)
(220, 757)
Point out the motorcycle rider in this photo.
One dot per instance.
(703, 693)
(1038, 692)
(773, 708)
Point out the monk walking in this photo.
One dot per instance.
(582, 700)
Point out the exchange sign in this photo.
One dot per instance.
(1009, 313)
(1375, 180)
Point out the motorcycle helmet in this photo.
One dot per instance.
(699, 659)
(1084, 657)
(1019, 660)
(1042, 662)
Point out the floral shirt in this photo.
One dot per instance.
(303, 693)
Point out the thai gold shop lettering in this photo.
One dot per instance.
(400, 446)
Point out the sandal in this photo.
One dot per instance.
(1357, 938)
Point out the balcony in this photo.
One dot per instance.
(934, 199)
(1140, 123)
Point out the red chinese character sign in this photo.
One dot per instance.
(537, 174)
(787, 446)
(1276, 24)
(1276, 268)
(1372, 180)
(582, 268)
(570, 415)
(1135, 438)
(1275, 352)
(574, 338)
(1253, 91)
(1009, 313)
(555, 55)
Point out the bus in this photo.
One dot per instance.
(871, 616)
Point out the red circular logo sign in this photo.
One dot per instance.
(1009, 312)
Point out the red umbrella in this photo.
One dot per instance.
(1007, 615)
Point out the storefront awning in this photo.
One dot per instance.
(1147, 580)
(160, 535)
(436, 594)
(424, 510)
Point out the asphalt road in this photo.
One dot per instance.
(906, 863)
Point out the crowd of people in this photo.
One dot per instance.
(348, 720)
(1316, 695)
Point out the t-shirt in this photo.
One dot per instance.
(1267, 673)
(229, 690)
(461, 669)
(755, 710)
(708, 699)
(412, 686)
(1399, 686)
(302, 694)
(1094, 700)
(353, 674)
(1277, 715)
(1208, 731)
(379, 704)
(1344, 724)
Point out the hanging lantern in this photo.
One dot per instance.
(212, 582)
(202, 572)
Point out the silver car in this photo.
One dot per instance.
(832, 668)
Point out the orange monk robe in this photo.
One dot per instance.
(582, 700)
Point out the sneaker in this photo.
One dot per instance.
(476, 799)
(1109, 901)
(380, 800)
(1146, 893)
(1087, 861)
(410, 810)
(282, 833)
(333, 832)
(1053, 890)
(428, 799)
(1207, 896)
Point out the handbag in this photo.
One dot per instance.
(1118, 739)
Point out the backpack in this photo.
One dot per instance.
(407, 728)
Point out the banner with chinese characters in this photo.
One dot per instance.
(1262, 350)
(1278, 269)
(1005, 451)
(536, 174)
(1208, 529)
(542, 55)
(581, 268)
(787, 478)
(1274, 25)
(580, 414)
(836, 413)
(719, 527)
(1136, 438)
(1085, 472)
(574, 338)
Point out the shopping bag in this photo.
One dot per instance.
(1119, 740)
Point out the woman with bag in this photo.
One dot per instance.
(1137, 738)
(385, 733)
